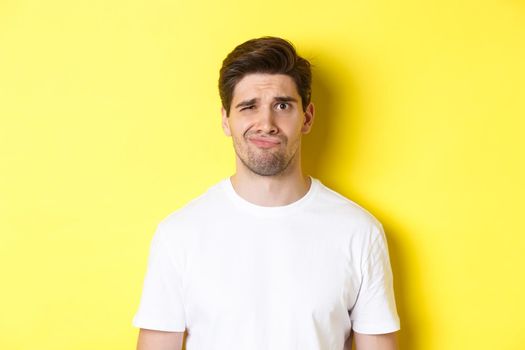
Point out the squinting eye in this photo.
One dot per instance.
(248, 107)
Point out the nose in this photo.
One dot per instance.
(266, 122)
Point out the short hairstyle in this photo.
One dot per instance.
(267, 54)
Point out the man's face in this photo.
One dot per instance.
(266, 121)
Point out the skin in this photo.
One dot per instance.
(266, 107)
(386, 341)
(158, 340)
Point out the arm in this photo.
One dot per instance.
(159, 340)
(386, 341)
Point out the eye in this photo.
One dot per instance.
(247, 108)
(283, 105)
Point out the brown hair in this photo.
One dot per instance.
(264, 55)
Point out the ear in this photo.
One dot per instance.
(225, 122)
(309, 114)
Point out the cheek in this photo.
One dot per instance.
(241, 128)
(292, 127)
(238, 130)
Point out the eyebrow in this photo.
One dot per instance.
(246, 103)
(285, 99)
(277, 98)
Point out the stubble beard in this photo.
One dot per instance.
(264, 162)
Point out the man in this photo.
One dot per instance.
(268, 258)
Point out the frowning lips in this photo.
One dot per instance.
(264, 141)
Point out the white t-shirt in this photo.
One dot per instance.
(237, 275)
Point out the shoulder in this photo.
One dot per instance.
(360, 228)
(345, 209)
(194, 214)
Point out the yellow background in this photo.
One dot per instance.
(109, 121)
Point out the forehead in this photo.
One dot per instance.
(256, 84)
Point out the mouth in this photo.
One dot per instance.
(264, 143)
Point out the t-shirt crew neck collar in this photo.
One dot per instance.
(265, 211)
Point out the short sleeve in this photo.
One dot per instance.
(161, 304)
(375, 309)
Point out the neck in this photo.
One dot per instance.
(271, 191)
